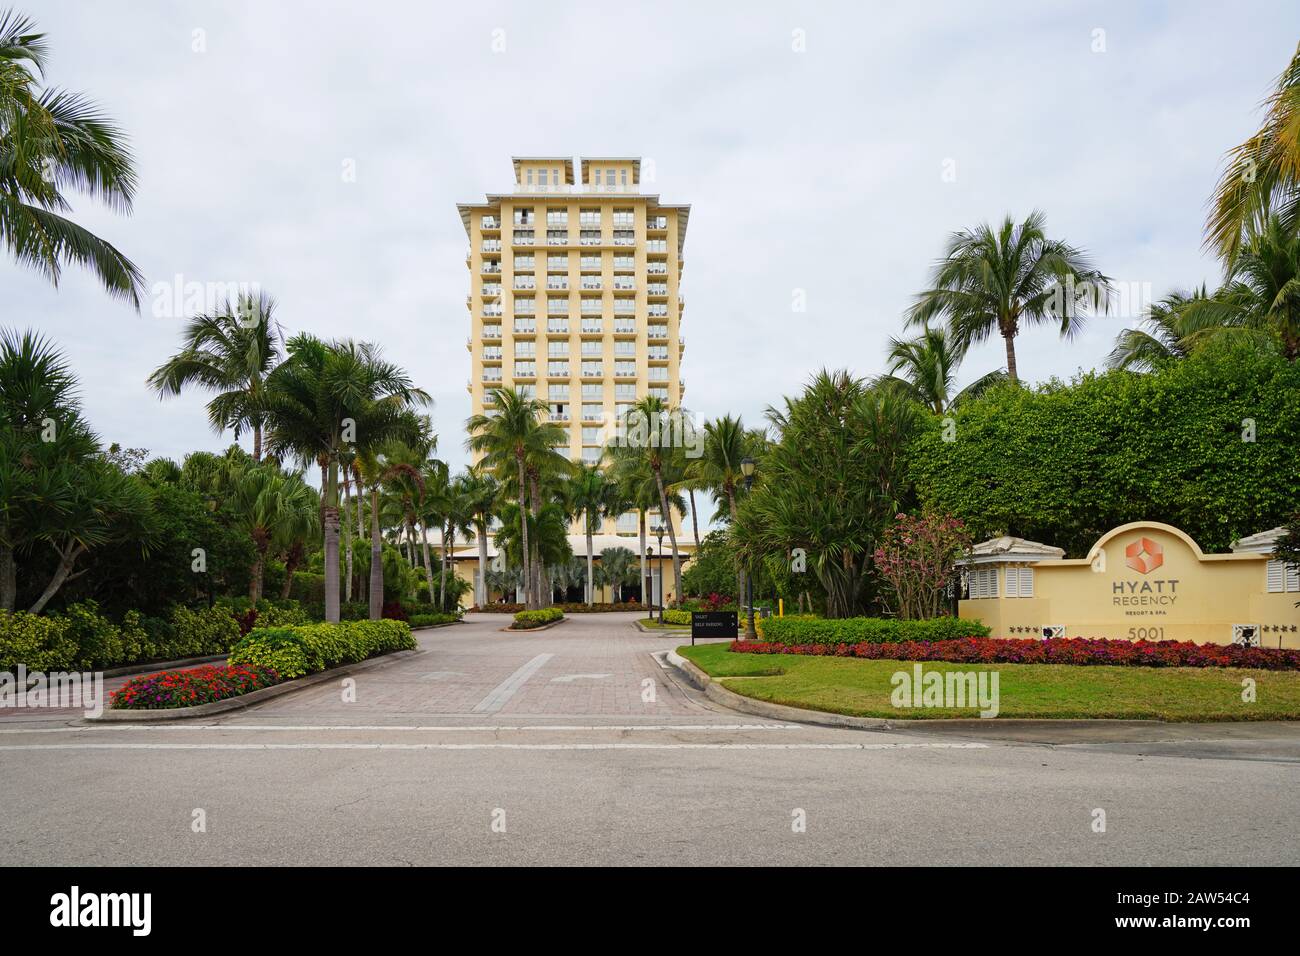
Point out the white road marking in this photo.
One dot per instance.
(439, 675)
(569, 678)
(101, 728)
(501, 694)
(497, 746)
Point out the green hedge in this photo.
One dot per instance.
(864, 630)
(306, 649)
(433, 620)
(677, 617)
(81, 638)
(528, 619)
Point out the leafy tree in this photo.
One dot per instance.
(830, 482)
(1206, 444)
(999, 281)
(278, 512)
(918, 557)
(589, 492)
(230, 353)
(52, 141)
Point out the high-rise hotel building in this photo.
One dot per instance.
(574, 293)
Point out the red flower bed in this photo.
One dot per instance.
(188, 688)
(1065, 650)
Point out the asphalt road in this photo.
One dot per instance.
(552, 748)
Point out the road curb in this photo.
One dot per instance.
(760, 708)
(683, 631)
(247, 700)
(532, 630)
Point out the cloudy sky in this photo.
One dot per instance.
(812, 141)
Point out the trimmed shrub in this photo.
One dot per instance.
(308, 648)
(578, 607)
(39, 643)
(797, 629)
(1082, 651)
(503, 608)
(529, 619)
(677, 617)
(99, 641)
(433, 620)
(210, 630)
(189, 688)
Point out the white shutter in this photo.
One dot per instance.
(1026, 582)
(1293, 577)
(1012, 576)
(1276, 577)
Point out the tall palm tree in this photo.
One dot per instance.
(588, 493)
(1259, 300)
(726, 444)
(616, 563)
(661, 456)
(326, 397)
(1261, 176)
(277, 511)
(999, 281)
(230, 353)
(925, 368)
(52, 141)
(509, 439)
(480, 497)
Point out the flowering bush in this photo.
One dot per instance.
(1063, 650)
(917, 556)
(189, 688)
(802, 629)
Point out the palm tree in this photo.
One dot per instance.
(616, 564)
(52, 140)
(480, 499)
(277, 511)
(661, 456)
(924, 368)
(1001, 281)
(511, 439)
(1261, 176)
(327, 397)
(1260, 300)
(588, 493)
(717, 470)
(230, 353)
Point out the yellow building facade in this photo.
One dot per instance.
(575, 295)
(1144, 580)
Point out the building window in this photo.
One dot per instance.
(593, 436)
(593, 413)
(1020, 582)
(1282, 577)
(982, 583)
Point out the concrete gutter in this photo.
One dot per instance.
(111, 715)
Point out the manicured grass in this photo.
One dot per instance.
(862, 688)
(654, 624)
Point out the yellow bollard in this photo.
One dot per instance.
(780, 607)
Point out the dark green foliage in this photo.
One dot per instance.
(1062, 463)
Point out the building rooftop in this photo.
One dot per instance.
(1262, 543)
(1008, 548)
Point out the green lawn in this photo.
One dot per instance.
(862, 688)
(654, 625)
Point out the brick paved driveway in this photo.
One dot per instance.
(591, 665)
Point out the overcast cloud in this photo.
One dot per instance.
(819, 170)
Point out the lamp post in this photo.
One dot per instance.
(647, 591)
(747, 468)
(658, 531)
